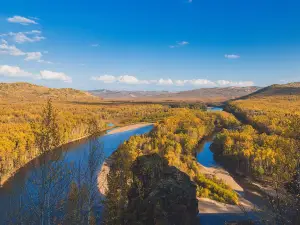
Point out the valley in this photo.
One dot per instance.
(225, 158)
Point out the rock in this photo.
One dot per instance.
(160, 194)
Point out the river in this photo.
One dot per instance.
(248, 194)
(74, 156)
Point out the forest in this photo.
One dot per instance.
(174, 139)
(255, 138)
(19, 120)
(266, 146)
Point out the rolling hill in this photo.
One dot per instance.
(276, 90)
(31, 92)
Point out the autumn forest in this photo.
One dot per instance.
(153, 177)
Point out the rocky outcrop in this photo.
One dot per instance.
(160, 194)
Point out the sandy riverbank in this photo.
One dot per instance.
(206, 205)
(223, 175)
(102, 177)
(127, 128)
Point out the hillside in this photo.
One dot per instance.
(276, 90)
(31, 92)
(274, 109)
(203, 94)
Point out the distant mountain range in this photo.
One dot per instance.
(30, 92)
(125, 95)
(203, 94)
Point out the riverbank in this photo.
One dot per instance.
(109, 130)
(5, 178)
(127, 128)
(104, 171)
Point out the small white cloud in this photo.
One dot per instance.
(13, 71)
(127, 79)
(165, 81)
(235, 83)
(95, 45)
(232, 56)
(179, 44)
(199, 82)
(17, 72)
(36, 56)
(50, 75)
(10, 49)
(105, 78)
(21, 20)
(179, 82)
(14, 51)
(22, 37)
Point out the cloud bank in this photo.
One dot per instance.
(128, 79)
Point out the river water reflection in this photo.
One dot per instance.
(72, 155)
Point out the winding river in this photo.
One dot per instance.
(75, 155)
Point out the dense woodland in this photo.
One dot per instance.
(174, 139)
(18, 121)
(258, 136)
(266, 147)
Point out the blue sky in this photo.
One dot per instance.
(150, 45)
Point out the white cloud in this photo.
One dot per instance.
(36, 56)
(179, 82)
(17, 72)
(232, 56)
(105, 78)
(199, 82)
(95, 45)
(165, 81)
(22, 38)
(22, 20)
(179, 44)
(235, 83)
(28, 36)
(10, 49)
(13, 71)
(14, 51)
(127, 79)
(50, 75)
